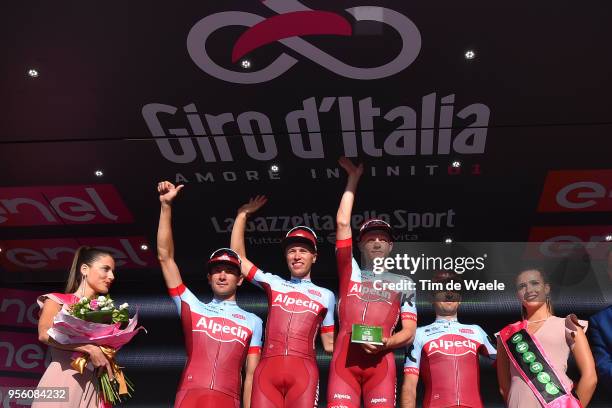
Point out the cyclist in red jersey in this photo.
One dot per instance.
(365, 370)
(444, 355)
(287, 375)
(220, 337)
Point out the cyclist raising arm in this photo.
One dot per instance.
(220, 337)
(297, 309)
(366, 370)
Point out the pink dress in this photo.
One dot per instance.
(81, 389)
(556, 336)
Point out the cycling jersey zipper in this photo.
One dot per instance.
(212, 380)
(287, 334)
(458, 373)
(365, 309)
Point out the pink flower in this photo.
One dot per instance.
(93, 304)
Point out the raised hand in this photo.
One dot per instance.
(253, 205)
(350, 168)
(167, 191)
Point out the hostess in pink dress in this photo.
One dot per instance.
(556, 336)
(81, 389)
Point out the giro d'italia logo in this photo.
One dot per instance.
(293, 21)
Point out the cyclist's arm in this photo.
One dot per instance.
(327, 338)
(503, 370)
(165, 247)
(327, 326)
(253, 356)
(487, 348)
(403, 337)
(409, 388)
(343, 217)
(237, 242)
(251, 363)
(411, 373)
(408, 313)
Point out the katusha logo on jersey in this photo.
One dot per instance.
(314, 292)
(295, 302)
(220, 329)
(451, 345)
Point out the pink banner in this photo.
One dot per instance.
(57, 254)
(18, 308)
(562, 241)
(58, 205)
(22, 352)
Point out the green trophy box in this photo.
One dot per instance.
(366, 334)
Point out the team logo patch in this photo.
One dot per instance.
(367, 292)
(451, 345)
(314, 292)
(296, 302)
(220, 329)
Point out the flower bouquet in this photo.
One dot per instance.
(98, 322)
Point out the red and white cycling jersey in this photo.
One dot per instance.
(354, 374)
(218, 337)
(361, 299)
(297, 309)
(445, 355)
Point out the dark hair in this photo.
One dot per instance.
(545, 279)
(84, 255)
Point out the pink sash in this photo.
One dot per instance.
(529, 358)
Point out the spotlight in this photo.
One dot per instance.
(456, 164)
(33, 73)
(448, 240)
(144, 247)
(99, 173)
(274, 168)
(609, 237)
(470, 54)
(245, 63)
